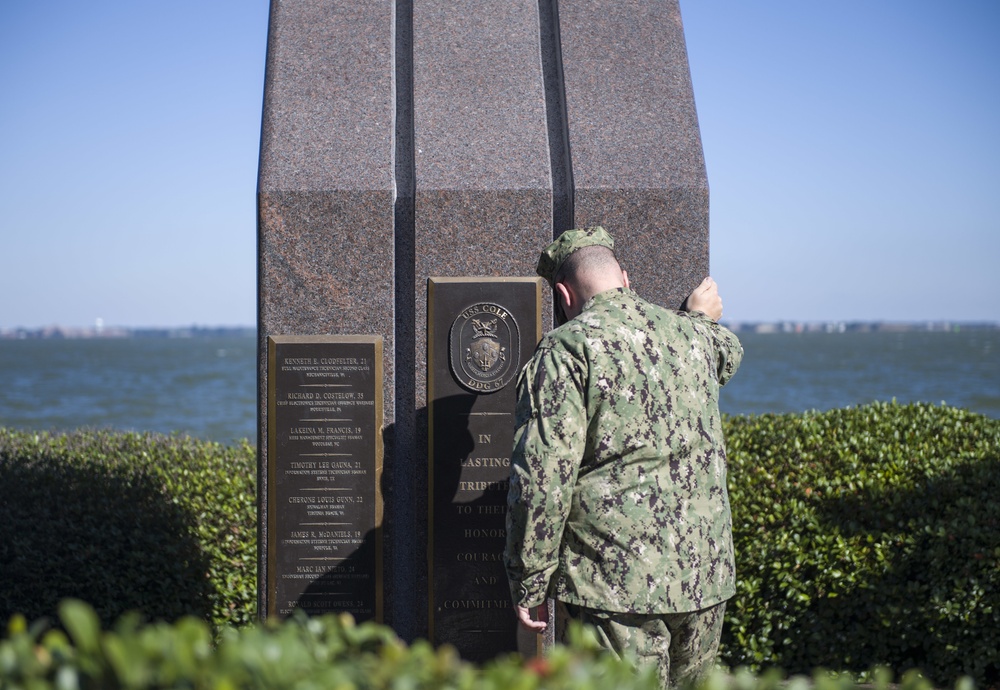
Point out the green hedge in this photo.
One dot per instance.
(328, 653)
(866, 536)
(165, 525)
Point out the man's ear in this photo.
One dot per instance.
(564, 298)
(563, 295)
(625, 278)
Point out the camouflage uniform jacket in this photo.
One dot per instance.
(618, 496)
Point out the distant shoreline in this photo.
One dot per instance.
(862, 326)
(117, 332)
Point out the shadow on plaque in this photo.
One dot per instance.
(472, 609)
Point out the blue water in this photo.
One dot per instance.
(206, 386)
(793, 372)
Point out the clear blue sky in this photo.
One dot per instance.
(853, 155)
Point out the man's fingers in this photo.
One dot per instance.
(524, 618)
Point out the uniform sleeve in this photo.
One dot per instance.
(730, 353)
(549, 441)
(728, 350)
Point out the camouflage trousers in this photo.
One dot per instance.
(682, 646)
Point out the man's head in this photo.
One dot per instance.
(580, 264)
(557, 252)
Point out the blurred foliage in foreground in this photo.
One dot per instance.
(327, 652)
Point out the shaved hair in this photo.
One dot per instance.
(585, 263)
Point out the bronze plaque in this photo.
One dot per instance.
(324, 501)
(484, 347)
(480, 333)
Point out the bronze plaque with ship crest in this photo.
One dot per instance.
(485, 347)
(481, 331)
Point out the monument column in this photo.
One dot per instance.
(483, 202)
(400, 142)
(407, 144)
(326, 196)
(636, 156)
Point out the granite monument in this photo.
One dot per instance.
(409, 141)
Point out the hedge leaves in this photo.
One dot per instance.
(866, 536)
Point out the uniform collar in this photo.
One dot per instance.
(604, 297)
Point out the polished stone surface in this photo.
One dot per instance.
(637, 161)
(482, 193)
(326, 187)
(483, 190)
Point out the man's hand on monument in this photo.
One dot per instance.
(705, 298)
(535, 619)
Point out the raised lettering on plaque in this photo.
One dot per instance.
(325, 462)
(481, 331)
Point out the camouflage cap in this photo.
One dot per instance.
(555, 254)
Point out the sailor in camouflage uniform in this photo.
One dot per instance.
(618, 506)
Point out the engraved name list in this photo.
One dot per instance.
(325, 446)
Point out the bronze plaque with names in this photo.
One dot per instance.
(324, 500)
(481, 331)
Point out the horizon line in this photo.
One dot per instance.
(55, 327)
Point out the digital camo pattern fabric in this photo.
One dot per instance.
(681, 647)
(618, 495)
